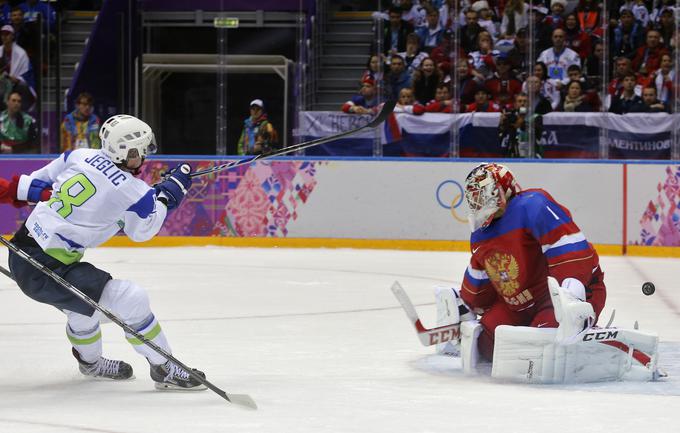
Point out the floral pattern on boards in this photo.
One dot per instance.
(255, 200)
(660, 222)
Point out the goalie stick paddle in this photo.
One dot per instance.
(428, 337)
(386, 110)
(241, 400)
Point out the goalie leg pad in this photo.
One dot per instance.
(534, 355)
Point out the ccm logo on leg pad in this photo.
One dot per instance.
(601, 335)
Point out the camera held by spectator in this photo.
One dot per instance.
(513, 129)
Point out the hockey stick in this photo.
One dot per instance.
(428, 337)
(387, 109)
(242, 400)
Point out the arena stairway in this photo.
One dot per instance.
(346, 45)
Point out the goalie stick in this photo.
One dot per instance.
(386, 110)
(428, 337)
(242, 400)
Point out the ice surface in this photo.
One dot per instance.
(318, 340)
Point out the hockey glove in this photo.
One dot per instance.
(172, 190)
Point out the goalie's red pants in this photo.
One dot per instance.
(538, 316)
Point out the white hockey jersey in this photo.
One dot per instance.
(559, 63)
(92, 200)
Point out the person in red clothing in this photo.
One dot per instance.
(575, 38)
(8, 192)
(648, 57)
(482, 103)
(407, 103)
(442, 102)
(520, 238)
(503, 86)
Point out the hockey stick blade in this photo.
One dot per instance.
(387, 109)
(240, 400)
(428, 337)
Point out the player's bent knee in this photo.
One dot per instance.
(126, 299)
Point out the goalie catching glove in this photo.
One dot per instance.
(174, 187)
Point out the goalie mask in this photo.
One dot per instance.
(488, 188)
(127, 141)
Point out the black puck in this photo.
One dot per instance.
(648, 288)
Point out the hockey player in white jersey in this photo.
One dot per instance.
(95, 195)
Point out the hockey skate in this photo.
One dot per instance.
(104, 368)
(169, 376)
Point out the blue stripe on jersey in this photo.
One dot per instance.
(145, 206)
(473, 280)
(66, 154)
(565, 249)
(70, 243)
(545, 216)
(148, 321)
(512, 220)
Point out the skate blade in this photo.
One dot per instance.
(170, 387)
(107, 379)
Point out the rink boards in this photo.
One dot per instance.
(399, 203)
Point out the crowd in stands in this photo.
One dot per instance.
(20, 64)
(426, 45)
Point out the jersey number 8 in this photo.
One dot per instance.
(74, 192)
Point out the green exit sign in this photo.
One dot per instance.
(225, 23)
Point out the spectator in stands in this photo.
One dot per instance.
(447, 16)
(34, 8)
(15, 67)
(515, 17)
(548, 88)
(373, 70)
(431, 34)
(666, 26)
(590, 94)
(394, 40)
(482, 103)
(575, 100)
(470, 31)
(17, 129)
(26, 35)
(556, 18)
(588, 13)
(664, 80)
(542, 104)
(640, 12)
(442, 102)
(365, 101)
(627, 36)
(592, 66)
(482, 60)
(398, 77)
(542, 33)
(513, 128)
(559, 58)
(628, 101)
(485, 17)
(622, 68)
(467, 83)
(80, 128)
(650, 103)
(413, 56)
(503, 86)
(414, 13)
(519, 55)
(408, 104)
(258, 136)
(648, 57)
(576, 39)
(425, 81)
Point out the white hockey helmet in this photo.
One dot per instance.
(488, 188)
(126, 137)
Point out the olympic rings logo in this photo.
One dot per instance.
(450, 196)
